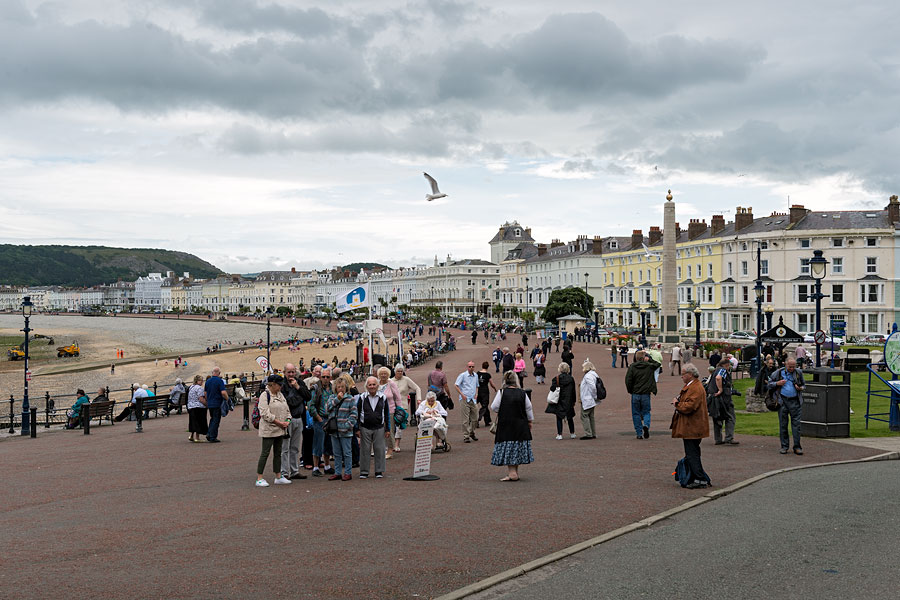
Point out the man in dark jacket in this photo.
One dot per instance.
(509, 363)
(640, 383)
(297, 395)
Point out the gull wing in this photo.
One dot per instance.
(434, 185)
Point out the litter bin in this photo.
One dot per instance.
(826, 403)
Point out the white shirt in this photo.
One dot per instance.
(139, 393)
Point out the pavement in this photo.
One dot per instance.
(152, 515)
(829, 532)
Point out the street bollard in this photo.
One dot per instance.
(34, 421)
(86, 418)
(47, 410)
(12, 415)
(154, 388)
(246, 425)
(139, 428)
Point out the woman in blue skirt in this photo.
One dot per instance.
(512, 442)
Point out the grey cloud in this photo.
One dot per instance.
(14, 11)
(580, 166)
(248, 16)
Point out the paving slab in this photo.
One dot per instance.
(152, 515)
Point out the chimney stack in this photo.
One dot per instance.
(542, 249)
(797, 213)
(716, 224)
(742, 217)
(637, 238)
(696, 228)
(597, 245)
(293, 269)
(677, 231)
(555, 242)
(655, 235)
(528, 231)
(893, 209)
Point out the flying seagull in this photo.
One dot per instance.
(647, 252)
(435, 192)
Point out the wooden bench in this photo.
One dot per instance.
(99, 410)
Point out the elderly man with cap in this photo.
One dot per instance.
(297, 395)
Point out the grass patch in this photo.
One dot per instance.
(767, 423)
(37, 349)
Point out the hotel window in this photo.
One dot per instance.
(870, 293)
(804, 323)
(804, 243)
(709, 270)
(744, 246)
(745, 294)
(868, 323)
(837, 293)
(744, 268)
(764, 267)
(730, 270)
(769, 293)
(764, 245)
(804, 266)
(837, 242)
(871, 264)
(803, 293)
(689, 271)
(837, 265)
(871, 242)
(678, 270)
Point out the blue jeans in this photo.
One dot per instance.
(790, 407)
(215, 416)
(343, 455)
(640, 412)
(318, 448)
(614, 361)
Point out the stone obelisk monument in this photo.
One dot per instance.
(668, 321)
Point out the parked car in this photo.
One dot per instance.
(343, 325)
(741, 335)
(810, 339)
(874, 339)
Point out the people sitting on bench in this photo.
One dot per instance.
(139, 392)
(175, 395)
(74, 413)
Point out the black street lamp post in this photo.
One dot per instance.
(769, 310)
(269, 338)
(526, 300)
(697, 313)
(643, 313)
(27, 306)
(817, 269)
(759, 291)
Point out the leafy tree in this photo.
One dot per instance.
(283, 311)
(498, 310)
(528, 316)
(430, 313)
(565, 302)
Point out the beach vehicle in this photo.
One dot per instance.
(66, 351)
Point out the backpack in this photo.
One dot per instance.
(254, 416)
(601, 389)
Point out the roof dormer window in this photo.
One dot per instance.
(613, 244)
(518, 232)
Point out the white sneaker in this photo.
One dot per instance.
(558, 436)
(262, 483)
(572, 435)
(282, 481)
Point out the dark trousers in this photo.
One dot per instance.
(692, 458)
(790, 407)
(559, 424)
(624, 363)
(215, 416)
(484, 412)
(268, 444)
(306, 446)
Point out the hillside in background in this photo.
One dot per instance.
(358, 266)
(78, 266)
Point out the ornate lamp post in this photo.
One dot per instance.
(643, 328)
(817, 266)
(269, 337)
(769, 310)
(526, 300)
(697, 313)
(759, 291)
(27, 306)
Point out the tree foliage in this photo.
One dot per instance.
(566, 302)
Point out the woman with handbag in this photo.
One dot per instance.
(196, 405)
(564, 386)
(342, 420)
(691, 423)
(274, 418)
(540, 369)
(512, 442)
(519, 369)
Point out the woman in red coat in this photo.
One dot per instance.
(691, 423)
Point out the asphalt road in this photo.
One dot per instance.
(829, 532)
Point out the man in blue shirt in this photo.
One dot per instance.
(467, 387)
(787, 385)
(215, 395)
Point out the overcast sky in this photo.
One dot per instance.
(285, 133)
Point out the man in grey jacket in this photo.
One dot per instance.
(640, 381)
(787, 386)
(297, 395)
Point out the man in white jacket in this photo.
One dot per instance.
(588, 400)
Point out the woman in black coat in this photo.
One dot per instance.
(565, 408)
(512, 442)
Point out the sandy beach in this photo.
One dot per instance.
(155, 340)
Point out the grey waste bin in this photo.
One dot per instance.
(826, 403)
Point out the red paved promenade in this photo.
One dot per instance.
(153, 516)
